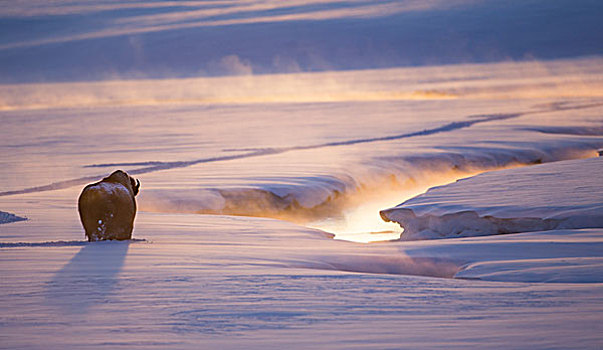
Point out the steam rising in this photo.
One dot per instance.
(333, 183)
(574, 78)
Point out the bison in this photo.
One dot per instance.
(108, 207)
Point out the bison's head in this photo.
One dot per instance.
(123, 178)
(135, 185)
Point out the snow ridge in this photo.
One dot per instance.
(156, 166)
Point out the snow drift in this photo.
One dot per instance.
(567, 195)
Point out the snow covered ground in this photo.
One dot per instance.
(243, 282)
(234, 282)
(261, 131)
(240, 282)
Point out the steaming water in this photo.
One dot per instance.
(328, 157)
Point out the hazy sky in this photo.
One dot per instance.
(44, 40)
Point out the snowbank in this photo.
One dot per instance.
(559, 195)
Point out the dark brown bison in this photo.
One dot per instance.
(107, 208)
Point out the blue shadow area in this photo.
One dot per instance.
(89, 278)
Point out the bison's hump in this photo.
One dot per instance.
(108, 188)
(106, 191)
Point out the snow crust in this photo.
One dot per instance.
(559, 195)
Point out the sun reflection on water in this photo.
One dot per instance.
(361, 221)
(363, 224)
